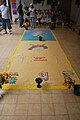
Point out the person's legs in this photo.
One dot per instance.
(9, 25)
(33, 22)
(4, 25)
(39, 21)
(20, 21)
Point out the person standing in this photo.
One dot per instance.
(5, 17)
(32, 16)
(21, 15)
(39, 17)
(53, 16)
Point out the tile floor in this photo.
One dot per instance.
(41, 104)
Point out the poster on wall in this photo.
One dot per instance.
(14, 8)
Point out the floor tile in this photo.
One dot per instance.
(9, 98)
(21, 109)
(62, 117)
(78, 105)
(34, 98)
(23, 98)
(56, 91)
(8, 109)
(23, 117)
(1, 107)
(6, 117)
(74, 116)
(48, 118)
(18, 92)
(72, 108)
(34, 117)
(69, 98)
(47, 109)
(77, 99)
(46, 98)
(34, 109)
(46, 91)
(60, 109)
(57, 98)
(34, 91)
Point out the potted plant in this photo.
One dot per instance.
(3, 80)
(68, 81)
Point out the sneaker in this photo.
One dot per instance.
(5, 32)
(10, 32)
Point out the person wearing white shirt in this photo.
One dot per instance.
(32, 16)
(5, 16)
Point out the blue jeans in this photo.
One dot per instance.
(21, 20)
(32, 22)
(6, 21)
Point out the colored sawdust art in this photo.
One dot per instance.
(38, 47)
(43, 62)
(34, 35)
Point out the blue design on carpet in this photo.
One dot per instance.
(34, 35)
